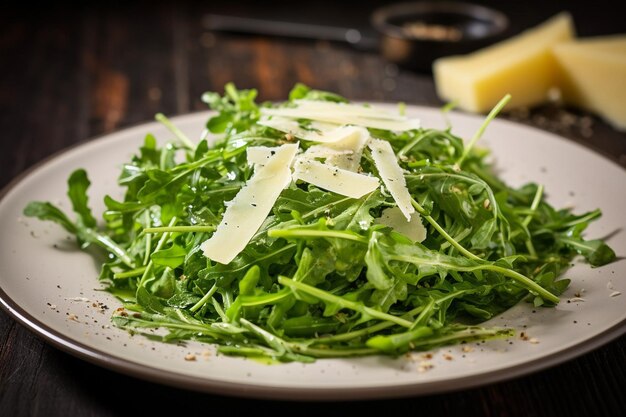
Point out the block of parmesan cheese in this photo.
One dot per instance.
(522, 66)
(593, 76)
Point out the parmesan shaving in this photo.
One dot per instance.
(351, 109)
(392, 175)
(259, 155)
(344, 114)
(345, 153)
(394, 218)
(318, 132)
(334, 179)
(251, 206)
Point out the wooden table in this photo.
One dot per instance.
(68, 75)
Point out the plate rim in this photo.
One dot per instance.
(252, 390)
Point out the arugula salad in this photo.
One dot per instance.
(317, 228)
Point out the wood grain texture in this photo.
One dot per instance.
(68, 75)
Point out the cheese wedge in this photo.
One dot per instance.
(522, 66)
(593, 76)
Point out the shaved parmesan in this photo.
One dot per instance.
(318, 132)
(344, 114)
(352, 109)
(251, 206)
(394, 218)
(345, 153)
(259, 155)
(392, 175)
(334, 179)
(321, 151)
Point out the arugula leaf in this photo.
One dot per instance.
(596, 252)
(172, 257)
(49, 212)
(78, 183)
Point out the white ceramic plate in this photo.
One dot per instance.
(51, 287)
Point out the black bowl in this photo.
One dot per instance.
(416, 34)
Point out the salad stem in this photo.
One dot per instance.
(492, 115)
(287, 233)
(529, 216)
(534, 205)
(342, 337)
(130, 274)
(160, 117)
(160, 243)
(179, 229)
(204, 299)
(527, 282)
(352, 305)
(110, 245)
(148, 245)
(443, 233)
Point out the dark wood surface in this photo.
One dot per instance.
(67, 75)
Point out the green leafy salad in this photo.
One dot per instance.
(317, 228)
